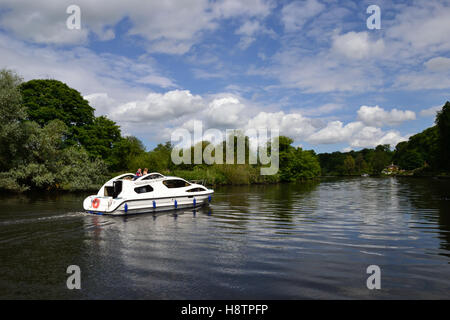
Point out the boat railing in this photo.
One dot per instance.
(202, 182)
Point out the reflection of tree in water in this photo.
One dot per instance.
(428, 194)
(35, 197)
(279, 203)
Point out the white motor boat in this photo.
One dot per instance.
(126, 194)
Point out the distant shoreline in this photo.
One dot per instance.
(317, 179)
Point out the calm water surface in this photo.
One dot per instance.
(287, 241)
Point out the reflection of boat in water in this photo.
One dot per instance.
(150, 193)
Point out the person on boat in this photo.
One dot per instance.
(145, 172)
(137, 174)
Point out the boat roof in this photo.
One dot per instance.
(148, 176)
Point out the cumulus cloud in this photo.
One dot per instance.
(156, 107)
(336, 132)
(376, 116)
(292, 124)
(163, 113)
(357, 45)
(225, 112)
(102, 103)
(370, 137)
(356, 134)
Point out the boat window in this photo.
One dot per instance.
(176, 183)
(109, 191)
(128, 177)
(117, 185)
(143, 189)
(196, 190)
(153, 176)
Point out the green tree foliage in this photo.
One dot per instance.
(48, 100)
(349, 164)
(35, 155)
(420, 149)
(443, 125)
(126, 153)
(371, 161)
(51, 166)
(430, 149)
(12, 113)
(295, 163)
(99, 137)
(381, 158)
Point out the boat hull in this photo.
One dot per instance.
(107, 206)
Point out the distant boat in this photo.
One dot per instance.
(364, 175)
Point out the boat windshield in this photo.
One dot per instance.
(127, 177)
(152, 176)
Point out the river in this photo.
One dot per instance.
(311, 240)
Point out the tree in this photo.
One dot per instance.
(99, 137)
(12, 113)
(349, 164)
(124, 152)
(47, 100)
(421, 147)
(443, 124)
(295, 163)
(50, 165)
(381, 158)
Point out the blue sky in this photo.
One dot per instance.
(310, 68)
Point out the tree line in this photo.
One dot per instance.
(50, 139)
(425, 153)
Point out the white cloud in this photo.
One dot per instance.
(422, 27)
(323, 72)
(293, 125)
(421, 81)
(248, 32)
(370, 137)
(356, 134)
(430, 111)
(438, 64)
(102, 103)
(357, 45)
(376, 116)
(232, 8)
(295, 14)
(335, 132)
(225, 112)
(160, 81)
(81, 68)
(159, 107)
(167, 26)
